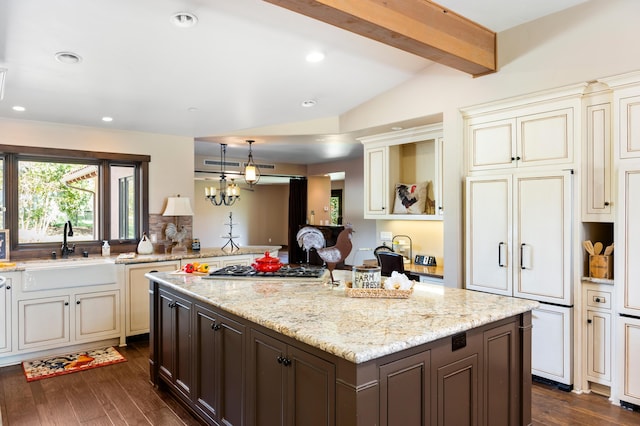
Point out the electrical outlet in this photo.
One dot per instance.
(386, 236)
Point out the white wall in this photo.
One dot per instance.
(592, 40)
(261, 215)
(353, 205)
(170, 169)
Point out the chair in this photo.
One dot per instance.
(389, 262)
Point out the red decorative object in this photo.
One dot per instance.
(267, 263)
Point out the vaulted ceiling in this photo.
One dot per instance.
(242, 66)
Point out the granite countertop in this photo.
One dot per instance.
(17, 266)
(356, 329)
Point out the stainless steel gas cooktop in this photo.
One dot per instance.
(287, 271)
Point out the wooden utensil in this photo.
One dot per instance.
(597, 248)
(588, 246)
(609, 250)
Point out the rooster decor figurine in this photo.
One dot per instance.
(176, 236)
(333, 255)
(310, 238)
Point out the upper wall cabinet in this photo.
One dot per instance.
(536, 133)
(403, 174)
(597, 194)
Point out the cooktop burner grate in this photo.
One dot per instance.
(286, 271)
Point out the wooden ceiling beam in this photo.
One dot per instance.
(420, 27)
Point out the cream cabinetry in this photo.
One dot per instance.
(6, 290)
(628, 338)
(627, 267)
(597, 196)
(45, 322)
(412, 156)
(532, 135)
(518, 243)
(136, 289)
(510, 250)
(597, 300)
(628, 107)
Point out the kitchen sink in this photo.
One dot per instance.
(65, 273)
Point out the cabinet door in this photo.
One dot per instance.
(629, 126)
(376, 182)
(267, 380)
(489, 234)
(552, 343)
(175, 361)
(599, 346)
(628, 240)
(5, 316)
(97, 315)
(501, 376)
(405, 391)
(311, 393)
(628, 360)
(542, 237)
(457, 387)
(137, 294)
(545, 138)
(43, 322)
(492, 144)
(219, 388)
(597, 191)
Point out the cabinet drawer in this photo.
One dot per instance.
(599, 299)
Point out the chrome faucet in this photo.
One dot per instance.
(68, 231)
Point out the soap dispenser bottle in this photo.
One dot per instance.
(106, 248)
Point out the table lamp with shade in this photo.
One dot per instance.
(177, 206)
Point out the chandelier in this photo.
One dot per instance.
(251, 170)
(227, 193)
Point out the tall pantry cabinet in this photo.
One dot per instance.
(626, 119)
(519, 219)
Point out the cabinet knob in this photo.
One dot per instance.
(66, 303)
(589, 321)
(606, 203)
(286, 362)
(597, 299)
(8, 287)
(77, 302)
(280, 359)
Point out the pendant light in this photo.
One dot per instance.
(226, 194)
(251, 170)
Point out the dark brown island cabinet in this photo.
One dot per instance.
(230, 371)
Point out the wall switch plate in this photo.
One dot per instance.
(386, 236)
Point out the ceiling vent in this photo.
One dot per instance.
(261, 166)
(219, 163)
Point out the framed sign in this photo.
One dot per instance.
(4, 244)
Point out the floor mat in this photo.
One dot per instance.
(65, 364)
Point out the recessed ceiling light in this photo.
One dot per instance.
(68, 57)
(107, 119)
(308, 103)
(184, 19)
(315, 56)
(19, 108)
(396, 128)
(192, 109)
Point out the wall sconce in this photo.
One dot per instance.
(251, 170)
(226, 194)
(177, 206)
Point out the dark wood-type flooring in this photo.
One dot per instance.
(121, 394)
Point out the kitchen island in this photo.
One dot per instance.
(274, 351)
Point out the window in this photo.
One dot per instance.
(102, 194)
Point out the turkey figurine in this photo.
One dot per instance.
(335, 254)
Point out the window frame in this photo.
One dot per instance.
(104, 160)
